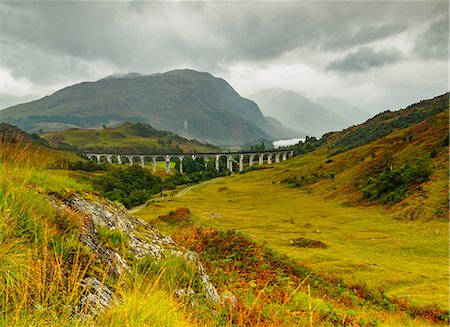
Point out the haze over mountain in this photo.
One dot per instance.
(298, 112)
(341, 107)
(189, 103)
(7, 100)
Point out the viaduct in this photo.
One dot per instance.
(269, 156)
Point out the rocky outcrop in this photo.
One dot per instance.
(142, 240)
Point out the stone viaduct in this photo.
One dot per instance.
(268, 156)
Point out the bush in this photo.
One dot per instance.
(392, 186)
(131, 186)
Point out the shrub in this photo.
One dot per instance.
(181, 215)
(392, 186)
(131, 186)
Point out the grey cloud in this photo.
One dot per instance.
(57, 43)
(433, 42)
(155, 36)
(364, 59)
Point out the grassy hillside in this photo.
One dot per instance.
(126, 138)
(352, 260)
(314, 209)
(57, 265)
(387, 122)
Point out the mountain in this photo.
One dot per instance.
(7, 100)
(277, 129)
(126, 138)
(341, 107)
(189, 103)
(298, 112)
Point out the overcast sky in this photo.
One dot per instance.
(378, 55)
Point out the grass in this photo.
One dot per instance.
(138, 138)
(145, 302)
(388, 256)
(43, 263)
(365, 245)
(401, 249)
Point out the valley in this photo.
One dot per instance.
(224, 163)
(351, 231)
(365, 245)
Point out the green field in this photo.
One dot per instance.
(365, 244)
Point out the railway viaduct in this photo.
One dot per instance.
(268, 157)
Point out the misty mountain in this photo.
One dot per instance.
(341, 107)
(189, 103)
(7, 100)
(298, 112)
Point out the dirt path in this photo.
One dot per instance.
(168, 198)
(187, 189)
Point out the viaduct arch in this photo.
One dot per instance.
(231, 157)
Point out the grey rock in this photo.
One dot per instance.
(143, 240)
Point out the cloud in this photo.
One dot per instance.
(432, 44)
(364, 59)
(49, 45)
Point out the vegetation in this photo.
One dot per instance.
(316, 253)
(326, 205)
(134, 185)
(131, 185)
(391, 186)
(44, 264)
(11, 134)
(127, 138)
(386, 122)
(258, 146)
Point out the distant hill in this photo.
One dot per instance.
(298, 112)
(341, 107)
(126, 138)
(189, 103)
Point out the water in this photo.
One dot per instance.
(277, 144)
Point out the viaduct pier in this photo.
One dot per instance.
(268, 157)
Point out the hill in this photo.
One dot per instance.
(387, 122)
(336, 224)
(189, 103)
(297, 112)
(341, 107)
(126, 138)
(14, 134)
(70, 257)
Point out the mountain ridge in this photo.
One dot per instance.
(297, 111)
(189, 103)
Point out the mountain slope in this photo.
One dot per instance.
(126, 138)
(352, 113)
(387, 122)
(297, 112)
(189, 103)
(399, 248)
